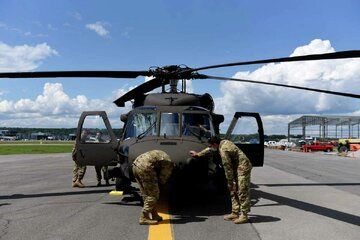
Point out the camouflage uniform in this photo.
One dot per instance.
(104, 170)
(78, 170)
(237, 171)
(151, 169)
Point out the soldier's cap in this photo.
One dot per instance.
(214, 140)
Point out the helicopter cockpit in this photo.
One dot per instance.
(168, 124)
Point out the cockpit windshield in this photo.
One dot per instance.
(198, 125)
(141, 124)
(169, 125)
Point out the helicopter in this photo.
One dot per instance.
(173, 120)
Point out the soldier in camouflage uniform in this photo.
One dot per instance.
(237, 171)
(104, 170)
(78, 171)
(151, 169)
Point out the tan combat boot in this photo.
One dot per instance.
(78, 184)
(231, 216)
(243, 218)
(156, 216)
(145, 219)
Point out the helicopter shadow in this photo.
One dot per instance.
(197, 204)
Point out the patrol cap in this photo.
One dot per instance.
(214, 140)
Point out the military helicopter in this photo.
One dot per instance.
(173, 120)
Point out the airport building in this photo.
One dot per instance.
(325, 127)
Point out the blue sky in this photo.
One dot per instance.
(140, 34)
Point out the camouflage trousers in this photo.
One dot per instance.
(78, 172)
(149, 187)
(240, 194)
(104, 170)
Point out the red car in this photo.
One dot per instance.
(317, 146)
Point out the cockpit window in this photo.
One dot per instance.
(141, 125)
(198, 125)
(169, 124)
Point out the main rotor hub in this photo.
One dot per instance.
(174, 72)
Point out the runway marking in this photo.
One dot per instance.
(163, 230)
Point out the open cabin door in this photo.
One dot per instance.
(96, 144)
(246, 131)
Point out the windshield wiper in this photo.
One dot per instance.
(143, 134)
(193, 133)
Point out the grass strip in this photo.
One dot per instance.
(34, 149)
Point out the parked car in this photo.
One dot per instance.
(317, 146)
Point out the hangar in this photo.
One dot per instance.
(325, 127)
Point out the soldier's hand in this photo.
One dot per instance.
(193, 153)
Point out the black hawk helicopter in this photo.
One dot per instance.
(173, 121)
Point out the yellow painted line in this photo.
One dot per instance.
(163, 230)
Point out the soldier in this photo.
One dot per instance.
(104, 169)
(237, 171)
(79, 170)
(151, 169)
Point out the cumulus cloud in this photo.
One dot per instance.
(285, 104)
(23, 57)
(55, 108)
(99, 28)
(76, 15)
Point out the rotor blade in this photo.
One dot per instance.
(71, 74)
(139, 90)
(324, 56)
(344, 94)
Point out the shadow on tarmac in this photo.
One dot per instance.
(55, 194)
(327, 212)
(196, 204)
(309, 184)
(4, 204)
(133, 199)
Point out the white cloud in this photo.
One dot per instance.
(282, 103)
(76, 15)
(99, 28)
(55, 108)
(23, 57)
(51, 27)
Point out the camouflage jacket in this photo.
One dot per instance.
(157, 161)
(73, 153)
(233, 159)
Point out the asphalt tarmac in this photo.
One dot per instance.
(294, 196)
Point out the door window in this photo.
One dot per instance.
(94, 130)
(246, 131)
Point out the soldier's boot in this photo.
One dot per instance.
(145, 219)
(156, 216)
(107, 182)
(243, 218)
(78, 184)
(98, 184)
(231, 216)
